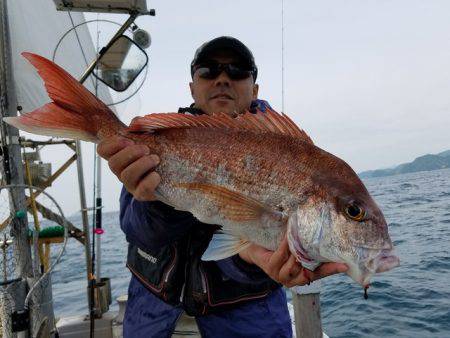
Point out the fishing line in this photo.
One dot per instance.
(94, 185)
(91, 278)
(93, 281)
(76, 26)
(79, 43)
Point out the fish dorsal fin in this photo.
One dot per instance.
(267, 122)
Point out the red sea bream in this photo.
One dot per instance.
(259, 176)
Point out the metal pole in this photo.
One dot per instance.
(306, 302)
(121, 30)
(84, 211)
(81, 185)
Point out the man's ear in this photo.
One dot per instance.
(191, 87)
(255, 91)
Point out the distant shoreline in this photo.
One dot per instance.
(427, 162)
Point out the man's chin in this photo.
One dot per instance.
(227, 108)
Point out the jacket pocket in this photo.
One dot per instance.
(154, 270)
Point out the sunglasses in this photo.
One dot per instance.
(213, 70)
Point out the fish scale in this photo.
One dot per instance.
(218, 152)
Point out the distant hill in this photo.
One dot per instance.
(423, 163)
(444, 153)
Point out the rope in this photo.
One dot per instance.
(24, 186)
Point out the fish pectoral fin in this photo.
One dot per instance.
(235, 206)
(223, 246)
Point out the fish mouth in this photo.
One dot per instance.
(372, 261)
(385, 261)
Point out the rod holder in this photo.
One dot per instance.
(102, 296)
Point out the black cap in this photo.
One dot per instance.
(225, 43)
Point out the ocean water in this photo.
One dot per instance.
(412, 300)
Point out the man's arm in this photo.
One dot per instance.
(151, 224)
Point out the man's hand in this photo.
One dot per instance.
(133, 165)
(282, 267)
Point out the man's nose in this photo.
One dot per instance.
(222, 79)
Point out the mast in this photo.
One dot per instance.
(14, 36)
(13, 174)
(14, 167)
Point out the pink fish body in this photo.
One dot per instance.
(257, 175)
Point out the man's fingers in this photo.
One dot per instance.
(132, 174)
(112, 145)
(121, 160)
(278, 258)
(145, 191)
(258, 255)
(289, 270)
(327, 269)
(281, 255)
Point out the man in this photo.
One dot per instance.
(240, 296)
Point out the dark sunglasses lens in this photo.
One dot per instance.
(208, 72)
(237, 73)
(233, 71)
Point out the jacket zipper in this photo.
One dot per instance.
(172, 266)
(202, 273)
(205, 291)
(185, 270)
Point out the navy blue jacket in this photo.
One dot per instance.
(148, 316)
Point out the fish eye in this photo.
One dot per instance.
(354, 212)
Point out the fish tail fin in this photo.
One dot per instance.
(75, 112)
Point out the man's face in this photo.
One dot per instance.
(223, 94)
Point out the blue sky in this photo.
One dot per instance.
(368, 80)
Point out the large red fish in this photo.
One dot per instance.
(257, 175)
